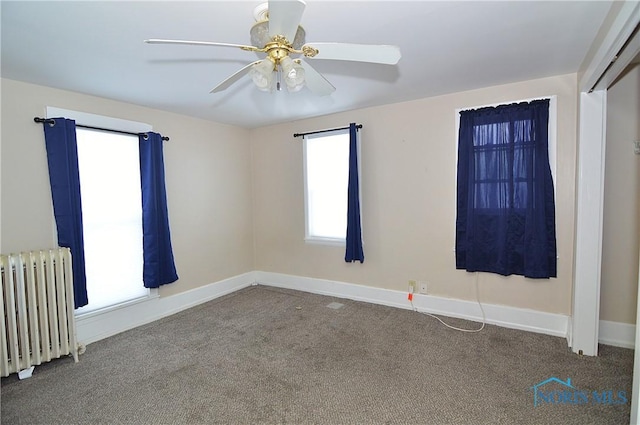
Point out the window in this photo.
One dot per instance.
(505, 219)
(503, 164)
(326, 171)
(109, 167)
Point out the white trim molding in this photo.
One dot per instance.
(85, 118)
(589, 208)
(617, 334)
(94, 327)
(505, 316)
(635, 388)
(99, 326)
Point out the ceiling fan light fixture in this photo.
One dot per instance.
(262, 75)
(293, 74)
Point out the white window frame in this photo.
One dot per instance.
(327, 240)
(83, 118)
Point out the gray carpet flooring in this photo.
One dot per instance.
(270, 356)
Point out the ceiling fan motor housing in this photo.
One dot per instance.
(260, 36)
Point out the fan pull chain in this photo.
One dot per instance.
(278, 78)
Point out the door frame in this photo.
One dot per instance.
(614, 54)
(609, 60)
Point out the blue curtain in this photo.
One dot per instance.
(62, 159)
(505, 219)
(159, 266)
(354, 250)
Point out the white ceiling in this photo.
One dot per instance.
(97, 48)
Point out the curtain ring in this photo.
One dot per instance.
(145, 136)
(51, 122)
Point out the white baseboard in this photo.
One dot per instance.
(505, 316)
(99, 326)
(617, 334)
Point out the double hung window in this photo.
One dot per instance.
(505, 219)
(332, 190)
(100, 180)
(109, 168)
(326, 165)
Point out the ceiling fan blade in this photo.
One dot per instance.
(284, 17)
(384, 54)
(233, 78)
(315, 81)
(201, 43)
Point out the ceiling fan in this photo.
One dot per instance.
(277, 32)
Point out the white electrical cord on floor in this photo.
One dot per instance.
(453, 327)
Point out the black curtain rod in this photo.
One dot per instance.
(324, 131)
(51, 121)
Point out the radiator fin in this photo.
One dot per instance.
(37, 309)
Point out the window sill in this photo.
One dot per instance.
(314, 240)
(153, 294)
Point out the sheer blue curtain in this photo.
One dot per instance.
(62, 160)
(354, 251)
(159, 266)
(505, 219)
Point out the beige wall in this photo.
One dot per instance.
(621, 219)
(208, 178)
(408, 199)
(219, 227)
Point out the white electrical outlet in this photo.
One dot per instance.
(422, 287)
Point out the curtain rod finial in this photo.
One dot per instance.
(49, 121)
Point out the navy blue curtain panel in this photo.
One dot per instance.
(158, 264)
(505, 218)
(62, 159)
(354, 251)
